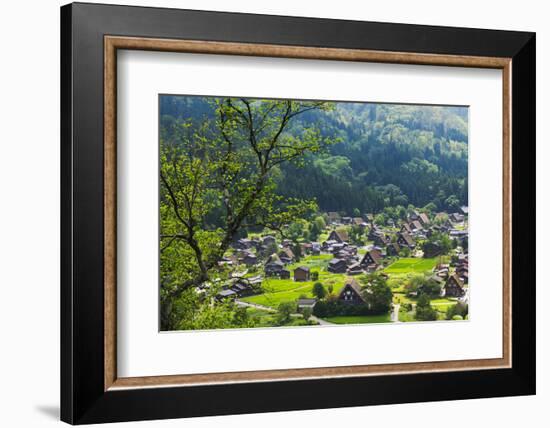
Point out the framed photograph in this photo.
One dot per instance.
(258, 207)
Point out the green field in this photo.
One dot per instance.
(410, 265)
(364, 319)
(277, 290)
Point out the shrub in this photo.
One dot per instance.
(319, 291)
(284, 312)
(424, 311)
(314, 275)
(458, 309)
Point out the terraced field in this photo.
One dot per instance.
(411, 265)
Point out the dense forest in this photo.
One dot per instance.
(384, 155)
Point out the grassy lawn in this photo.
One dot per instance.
(405, 316)
(277, 290)
(410, 265)
(360, 319)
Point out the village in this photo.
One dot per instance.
(422, 259)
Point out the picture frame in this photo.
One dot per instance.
(91, 35)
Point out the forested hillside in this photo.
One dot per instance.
(385, 155)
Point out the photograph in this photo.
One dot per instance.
(294, 213)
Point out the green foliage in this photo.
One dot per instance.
(460, 309)
(356, 235)
(438, 243)
(377, 293)
(314, 275)
(232, 165)
(424, 311)
(218, 176)
(319, 290)
(284, 312)
(423, 284)
(306, 313)
(334, 308)
(190, 313)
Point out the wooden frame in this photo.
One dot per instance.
(513, 54)
(113, 43)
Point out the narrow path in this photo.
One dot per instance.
(395, 313)
(268, 309)
(255, 306)
(320, 321)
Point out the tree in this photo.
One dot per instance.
(284, 312)
(319, 290)
(460, 309)
(377, 293)
(438, 243)
(414, 283)
(225, 165)
(356, 235)
(424, 311)
(314, 275)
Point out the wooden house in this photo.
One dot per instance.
(302, 304)
(372, 259)
(333, 217)
(415, 225)
(405, 240)
(301, 273)
(249, 259)
(355, 269)
(286, 255)
(393, 249)
(226, 294)
(406, 228)
(454, 287)
(346, 220)
(337, 266)
(456, 217)
(381, 239)
(423, 219)
(358, 221)
(340, 236)
(273, 268)
(351, 293)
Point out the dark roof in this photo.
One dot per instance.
(408, 239)
(416, 224)
(226, 293)
(395, 245)
(352, 283)
(302, 268)
(376, 256)
(286, 252)
(342, 234)
(336, 261)
(456, 278)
